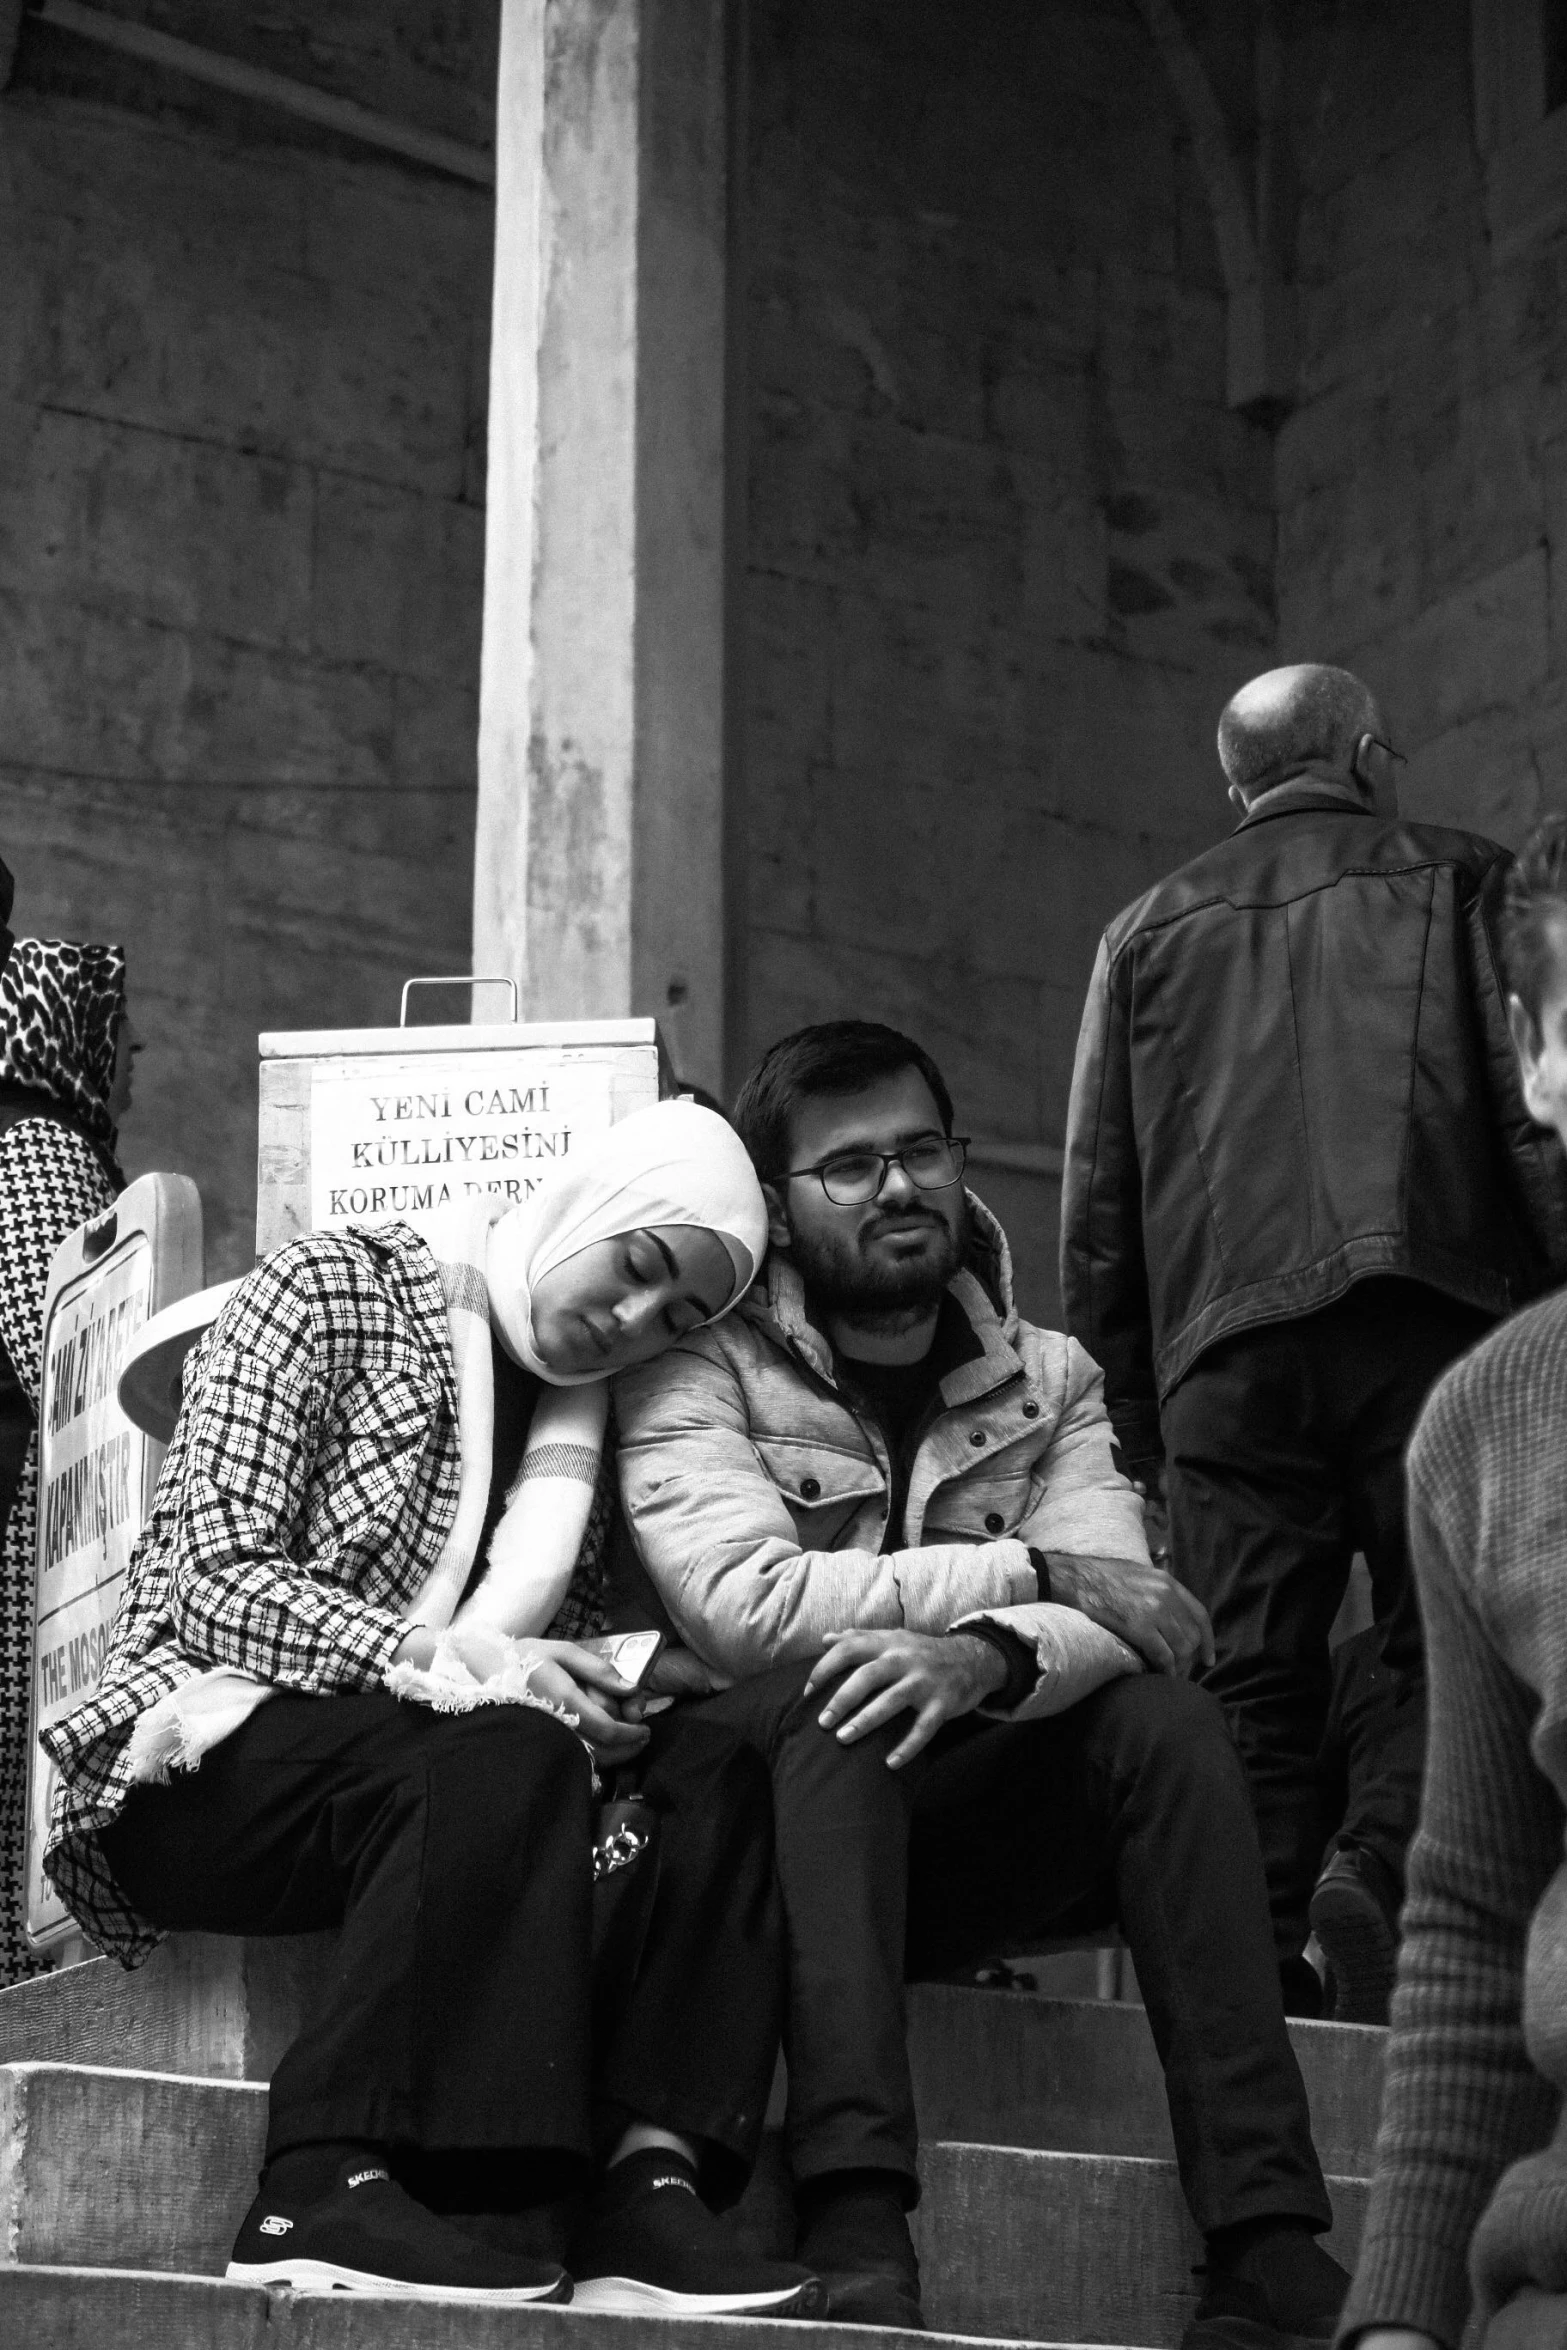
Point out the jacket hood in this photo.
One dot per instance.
(982, 1286)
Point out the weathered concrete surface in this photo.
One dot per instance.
(1422, 525)
(87, 2309)
(1008, 2068)
(242, 392)
(1085, 2248)
(112, 2169)
(599, 865)
(203, 2004)
(115, 2309)
(1009, 551)
(1083, 2076)
(122, 2169)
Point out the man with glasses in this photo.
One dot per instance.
(883, 1507)
(1300, 1180)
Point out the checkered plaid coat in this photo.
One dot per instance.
(309, 1487)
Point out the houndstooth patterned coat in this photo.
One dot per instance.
(61, 1005)
(51, 1180)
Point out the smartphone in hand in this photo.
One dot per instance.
(631, 1654)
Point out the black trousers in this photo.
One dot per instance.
(455, 1852)
(1286, 1455)
(1131, 1807)
(1372, 1757)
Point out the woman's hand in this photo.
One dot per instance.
(562, 1674)
(588, 1687)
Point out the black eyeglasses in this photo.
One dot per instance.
(1400, 756)
(934, 1163)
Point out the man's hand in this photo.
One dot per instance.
(889, 1673)
(1148, 1608)
(675, 1672)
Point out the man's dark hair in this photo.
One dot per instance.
(834, 1057)
(1534, 916)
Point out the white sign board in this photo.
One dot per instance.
(405, 1135)
(96, 1472)
(368, 1125)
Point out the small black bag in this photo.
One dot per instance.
(625, 1883)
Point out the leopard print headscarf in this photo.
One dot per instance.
(61, 1004)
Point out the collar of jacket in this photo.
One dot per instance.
(981, 1288)
(1301, 795)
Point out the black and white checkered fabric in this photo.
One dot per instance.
(309, 1487)
(51, 1180)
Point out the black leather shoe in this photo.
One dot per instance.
(1235, 2315)
(855, 2236)
(870, 2297)
(1354, 1915)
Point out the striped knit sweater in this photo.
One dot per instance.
(1468, 2174)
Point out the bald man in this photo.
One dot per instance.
(1300, 1179)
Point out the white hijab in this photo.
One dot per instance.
(673, 1164)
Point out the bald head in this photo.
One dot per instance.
(1306, 719)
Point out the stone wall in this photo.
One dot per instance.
(1009, 551)
(1422, 481)
(242, 383)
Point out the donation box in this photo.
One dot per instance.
(96, 1472)
(372, 1125)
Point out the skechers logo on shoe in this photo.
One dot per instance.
(672, 2178)
(362, 2178)
(273, 2225)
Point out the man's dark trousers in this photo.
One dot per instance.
(1132, 1806)
(1285, 1448)
(456, 1853)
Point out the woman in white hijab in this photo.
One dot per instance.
(657, 1228)
(332, 1697)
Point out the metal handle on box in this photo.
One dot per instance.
(456, 979)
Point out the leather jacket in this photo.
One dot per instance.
(1293, 1072)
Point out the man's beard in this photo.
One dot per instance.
(841, 1280)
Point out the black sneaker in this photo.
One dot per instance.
(650, 2246)
(1354, 1915)
(368, 2236)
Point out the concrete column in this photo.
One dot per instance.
(600, 857)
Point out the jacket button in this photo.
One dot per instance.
(1031, 1411)
(810, 1487)
(994, 1521)
(978, 1436)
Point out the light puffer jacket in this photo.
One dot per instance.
(759, 1500)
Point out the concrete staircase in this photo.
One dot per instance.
(132, 2116)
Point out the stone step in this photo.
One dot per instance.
(1012, 2069)
(117, 2169)
(1006, 2067)
(129, 2309)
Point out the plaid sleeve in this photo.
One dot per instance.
(251, 1431)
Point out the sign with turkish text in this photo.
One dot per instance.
(404, 1136)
